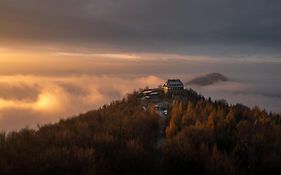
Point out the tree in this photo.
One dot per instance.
(175, 123)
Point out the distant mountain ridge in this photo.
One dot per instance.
(208, 79)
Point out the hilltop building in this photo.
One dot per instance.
(173, 86)
(150, 93)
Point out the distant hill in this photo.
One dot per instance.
(208, 79)
(200, 136)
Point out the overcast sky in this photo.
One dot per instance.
(208, 27)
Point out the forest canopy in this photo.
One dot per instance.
(201, 136)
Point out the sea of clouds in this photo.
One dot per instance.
(39, 91)
(26, 101)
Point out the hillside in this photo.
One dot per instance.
(201, 136)
(208, 79)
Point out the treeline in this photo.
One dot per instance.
(115, 139)
(202, 137)
(206, 137)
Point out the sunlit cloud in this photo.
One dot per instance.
(46, 102)
(142, 57)
(50, 98)
(100, 55)
(60, 97)
(42, 87)
(4, 104)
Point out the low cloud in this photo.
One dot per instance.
(27, 100)
(250, 94)
(47, 99)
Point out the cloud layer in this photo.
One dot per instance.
(30, 100)
(27, 100)
(250, 94)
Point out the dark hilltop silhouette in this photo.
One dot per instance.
(150, 131)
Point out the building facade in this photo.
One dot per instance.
(173, 86)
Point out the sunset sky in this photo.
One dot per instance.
(59, 58)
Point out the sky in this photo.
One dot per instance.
(59, 58)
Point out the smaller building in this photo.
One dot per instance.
(173, 86)
(150, 93)
(147, 92)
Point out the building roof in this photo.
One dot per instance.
(174, 82)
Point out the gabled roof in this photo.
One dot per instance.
(172, 82)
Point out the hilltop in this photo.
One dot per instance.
(208, 79)
(198, 136)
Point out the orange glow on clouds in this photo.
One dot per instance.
(46, 102)
(49, 98)
(4, 104)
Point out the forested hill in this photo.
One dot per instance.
(201, 137)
